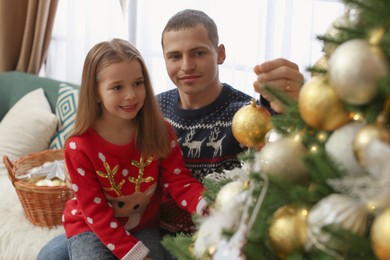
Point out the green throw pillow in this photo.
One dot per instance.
(66, 108)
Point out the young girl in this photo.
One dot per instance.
(121, 156)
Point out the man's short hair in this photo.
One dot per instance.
(189, 18)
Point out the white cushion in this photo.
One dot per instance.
(27, 127)
(66, 108)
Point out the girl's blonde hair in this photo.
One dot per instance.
(152, 132)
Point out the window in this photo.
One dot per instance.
(252, 31)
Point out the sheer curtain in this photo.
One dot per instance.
(80, 24)
(253, 31)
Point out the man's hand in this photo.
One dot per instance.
(280, 74)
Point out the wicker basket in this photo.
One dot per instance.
(43, 205)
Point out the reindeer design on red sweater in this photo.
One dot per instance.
(132, 206)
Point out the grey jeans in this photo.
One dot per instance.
(88, 246)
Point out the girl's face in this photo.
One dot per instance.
(121, 90)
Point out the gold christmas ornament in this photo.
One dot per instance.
(320, 107)
(288, 230)
(365, 136)
(380, 235)
(250, 124)
(282, 159)
(354, 69)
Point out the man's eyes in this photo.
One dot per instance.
(174, 57)
(178, 56)
(199, 53)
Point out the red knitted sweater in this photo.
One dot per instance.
(117, 191)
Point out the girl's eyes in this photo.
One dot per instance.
(136, 84)
(139, 83)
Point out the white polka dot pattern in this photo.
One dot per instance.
(111, 247)
(90, 220)
(113, 225)
(97, 200)
(75, 188)
(176, 171)
(184, 203)
(102, 157)
(81, 171)
(72, 145)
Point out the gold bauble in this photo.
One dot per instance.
(288, 230)
(320, 107)
(250, 124)
(380, 235)
(364, 137)
(354, 69)
(282, 159)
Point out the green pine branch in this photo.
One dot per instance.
(179, 246)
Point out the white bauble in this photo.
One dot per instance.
(272, 136)
(354, 68)
(339, 209)
(210, 231)
(377, 155)
(339, 147)
(283, 159)
(228, 195)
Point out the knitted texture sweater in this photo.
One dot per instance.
(207, 142)
(118, 191)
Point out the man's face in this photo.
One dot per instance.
(192, 60)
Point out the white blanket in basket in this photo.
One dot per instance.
(19, 239)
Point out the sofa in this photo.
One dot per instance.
(36, 114)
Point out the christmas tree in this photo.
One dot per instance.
(319, 188)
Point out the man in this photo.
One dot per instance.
(201, 108)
